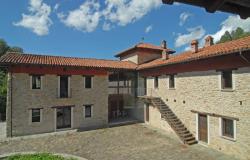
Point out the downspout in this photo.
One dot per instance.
(244, 58)
(10, 104)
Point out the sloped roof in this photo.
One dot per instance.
(203, 53)
(32, 59)
(144, 46)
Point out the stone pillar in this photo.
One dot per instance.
(9, 106)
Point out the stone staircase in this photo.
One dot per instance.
(184, 134)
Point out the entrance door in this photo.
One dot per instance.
(63, 117)
(202, 126)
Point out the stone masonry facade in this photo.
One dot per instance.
(201, 91)
(24, 98)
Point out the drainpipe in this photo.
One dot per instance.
(11, 104)
(244, 58)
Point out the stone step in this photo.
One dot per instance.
(179, 126)
(191, 142)
(183, 132)
(173, 119)
(181, 129)
(190, 138)
(186, 135)
(176, 122)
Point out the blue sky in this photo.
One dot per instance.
(100, 29)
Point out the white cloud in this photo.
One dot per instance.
(183, 17)
(193, 33)
(124, 12)
(106, 26)
(86, 18)
(148, 29)
(56, 7)
(177, 4)
(230, 24)
(38, 20)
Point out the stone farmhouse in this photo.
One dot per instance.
(201, 95)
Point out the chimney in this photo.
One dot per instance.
(194, 46)
(164, 55)
(164, 44)
(209, 41)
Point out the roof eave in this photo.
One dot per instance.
(189, 60)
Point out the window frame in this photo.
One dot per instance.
(33, 80)
(91, 110)
(169, 81)
(227, 136)
(32, 116)
(91, 81)
(223, 80)
(59, 87)
(156, 82)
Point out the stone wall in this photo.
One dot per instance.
(201, 91)
(24, 98)
(140, 57)
(131, 57)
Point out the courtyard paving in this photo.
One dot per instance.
(132, 142)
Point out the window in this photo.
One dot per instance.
(36, 82)
(228, 128)
(88, 81)
(156, 83)
(64, 87)
(36, 115)
(171, 81)
(88, 111)
(226, 79)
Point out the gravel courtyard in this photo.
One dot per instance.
(132, 142)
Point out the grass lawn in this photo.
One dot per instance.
(38, 156)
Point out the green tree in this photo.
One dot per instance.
(15, 49)
(235, 34)
(4, 47)
(226, 37)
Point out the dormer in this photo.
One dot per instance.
(145, 52)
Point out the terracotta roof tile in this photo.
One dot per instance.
(145, 46)
(16, 58)
(206, 52)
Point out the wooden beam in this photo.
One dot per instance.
(213, 5)
(168, 1)
(215, 115)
